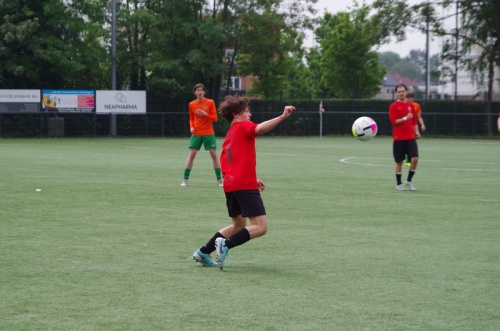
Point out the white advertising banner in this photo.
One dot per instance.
(20, 100)
(121, 102)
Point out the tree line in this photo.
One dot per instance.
(166, 46)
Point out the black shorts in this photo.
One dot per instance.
(401, 148)
(247, 203)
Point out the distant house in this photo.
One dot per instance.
(237, 84)
(390, 82)
(468, 89)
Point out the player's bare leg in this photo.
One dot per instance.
(190, 159)
(258, 226)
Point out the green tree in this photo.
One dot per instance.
(478, 48)
(299, 80)
(388, 59)
(178, 47)
(480, 34)
(479, 40)
(266, 37)
(51, 44)
(350, 67)
(167, 45)
(314, 83)
(418, 57)
(164, 46)
(435, 69)
(267, 59)
(407, 69)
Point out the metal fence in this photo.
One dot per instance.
(176, 124)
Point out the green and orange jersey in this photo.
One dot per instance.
(202, 125)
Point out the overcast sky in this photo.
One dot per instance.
(415, 40)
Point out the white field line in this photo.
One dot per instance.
(359, 161)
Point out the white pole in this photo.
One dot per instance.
(112, 126)
(321, 124)
(321, 111)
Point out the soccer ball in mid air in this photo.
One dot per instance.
(364, 128)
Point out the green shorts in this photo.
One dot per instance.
(208, 141)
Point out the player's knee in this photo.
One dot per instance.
(263, 229)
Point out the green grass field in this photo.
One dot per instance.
(107, 243)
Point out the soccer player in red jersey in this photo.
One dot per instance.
(241, 185)
(404, 132)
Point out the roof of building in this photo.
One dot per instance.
(395, 79)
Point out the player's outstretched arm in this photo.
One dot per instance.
(272, 123)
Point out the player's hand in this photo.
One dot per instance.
(201, 113)
(410, 115)
(192, 130)
(261, 185)
(422, 128)
(288, 111)
(417, 135)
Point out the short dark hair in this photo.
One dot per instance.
(400, 85)
(410, 94)
(197, 86)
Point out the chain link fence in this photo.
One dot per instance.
(176, 124)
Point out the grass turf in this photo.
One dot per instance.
(107, 243)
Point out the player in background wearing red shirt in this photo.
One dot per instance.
(241, 185)
(410, 96)
(404, 132)
(202, 115)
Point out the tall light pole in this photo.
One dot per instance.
(456, 50)
(456, 68)
(112, 122)
(427, 56)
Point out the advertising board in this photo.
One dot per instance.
(19, 100)
(68, 101)
(121, 102)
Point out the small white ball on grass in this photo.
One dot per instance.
(39, 190)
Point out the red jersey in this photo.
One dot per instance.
(238, 159)
(202, 125)
(405, 130)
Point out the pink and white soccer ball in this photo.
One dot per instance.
(364, 128)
